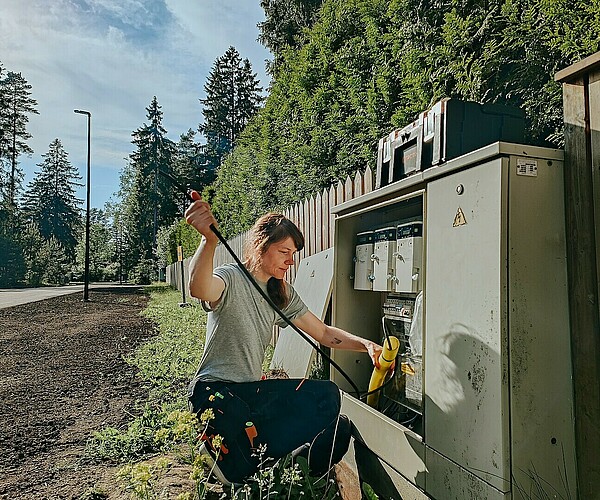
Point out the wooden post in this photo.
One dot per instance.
(581, 98)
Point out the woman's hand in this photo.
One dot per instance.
(374, 350)
(200, 217)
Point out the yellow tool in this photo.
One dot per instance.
(386, 359)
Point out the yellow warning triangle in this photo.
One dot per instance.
(459, 218)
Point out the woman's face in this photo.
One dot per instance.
(277, 259)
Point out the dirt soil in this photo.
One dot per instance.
(62, 376)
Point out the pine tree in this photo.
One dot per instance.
(16, 106)
(150, 197)
(233, 96)
(188, 163)
(51, 204)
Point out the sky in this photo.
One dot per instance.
(110, 57)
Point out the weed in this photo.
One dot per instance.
(140, 479)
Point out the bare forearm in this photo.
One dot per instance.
(341, 339)
(201, 270)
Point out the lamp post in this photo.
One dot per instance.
(86, 274)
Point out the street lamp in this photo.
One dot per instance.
(86, 274)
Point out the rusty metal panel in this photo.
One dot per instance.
(466, 383)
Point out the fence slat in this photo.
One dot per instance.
(312, 216)
(332, 202)
(339, 193)
(358, 185)
(348, 194)
(368, 179)
(313, 225)
(305, 216)
(325, 219)
(318, 223)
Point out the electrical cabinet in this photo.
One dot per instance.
(481, 404)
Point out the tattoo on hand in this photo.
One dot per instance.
(336, 341)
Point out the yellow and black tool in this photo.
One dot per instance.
(386, 360)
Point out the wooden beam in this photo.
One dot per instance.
(582, 254)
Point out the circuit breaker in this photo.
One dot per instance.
(408, 257)
(384, 259)
(363, 264)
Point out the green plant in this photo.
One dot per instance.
(287, 478)
(165, 426)
(141, 479)
(136, 441)
(368, 491)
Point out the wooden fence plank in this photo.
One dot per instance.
(318, 223)
(332, 202)
(358, 185)
(340, 195)
(348, 194)
(368, 179)
(325, 218)
(312, 226)
(305, 215)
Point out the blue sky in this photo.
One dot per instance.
(110, 57)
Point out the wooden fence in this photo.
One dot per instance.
(312, 216)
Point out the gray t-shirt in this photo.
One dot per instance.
(240, 327)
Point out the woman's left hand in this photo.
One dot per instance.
(374, 350)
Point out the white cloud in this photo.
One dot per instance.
(111, 57)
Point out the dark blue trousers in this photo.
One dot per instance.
(281, 414)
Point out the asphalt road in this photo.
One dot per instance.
(15, 296)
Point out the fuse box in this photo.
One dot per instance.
(477, 296)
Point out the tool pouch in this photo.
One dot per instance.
(236, 458)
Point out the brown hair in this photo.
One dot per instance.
(271, 228)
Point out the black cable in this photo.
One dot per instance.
(279, 311)
(270, 301)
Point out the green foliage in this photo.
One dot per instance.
(143, 272)
(46, 261)
(136, 441)
(102, 249)
(51, 204)
(284, 24)
(12, 264)
(367, 66)
(140, 479)
(179, 233)
(93, 493)
(16, 104)
(368, 492)
(169, 360)
(232, 98)
(149, 199)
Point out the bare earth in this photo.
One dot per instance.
(62, 376)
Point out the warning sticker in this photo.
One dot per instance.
(459, 218)
(527, 167)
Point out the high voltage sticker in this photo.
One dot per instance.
(459, 218)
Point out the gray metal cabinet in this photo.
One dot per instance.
(497, 393)
(498, 378)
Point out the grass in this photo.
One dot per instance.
(164, 434)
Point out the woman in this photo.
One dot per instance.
(282, 415)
